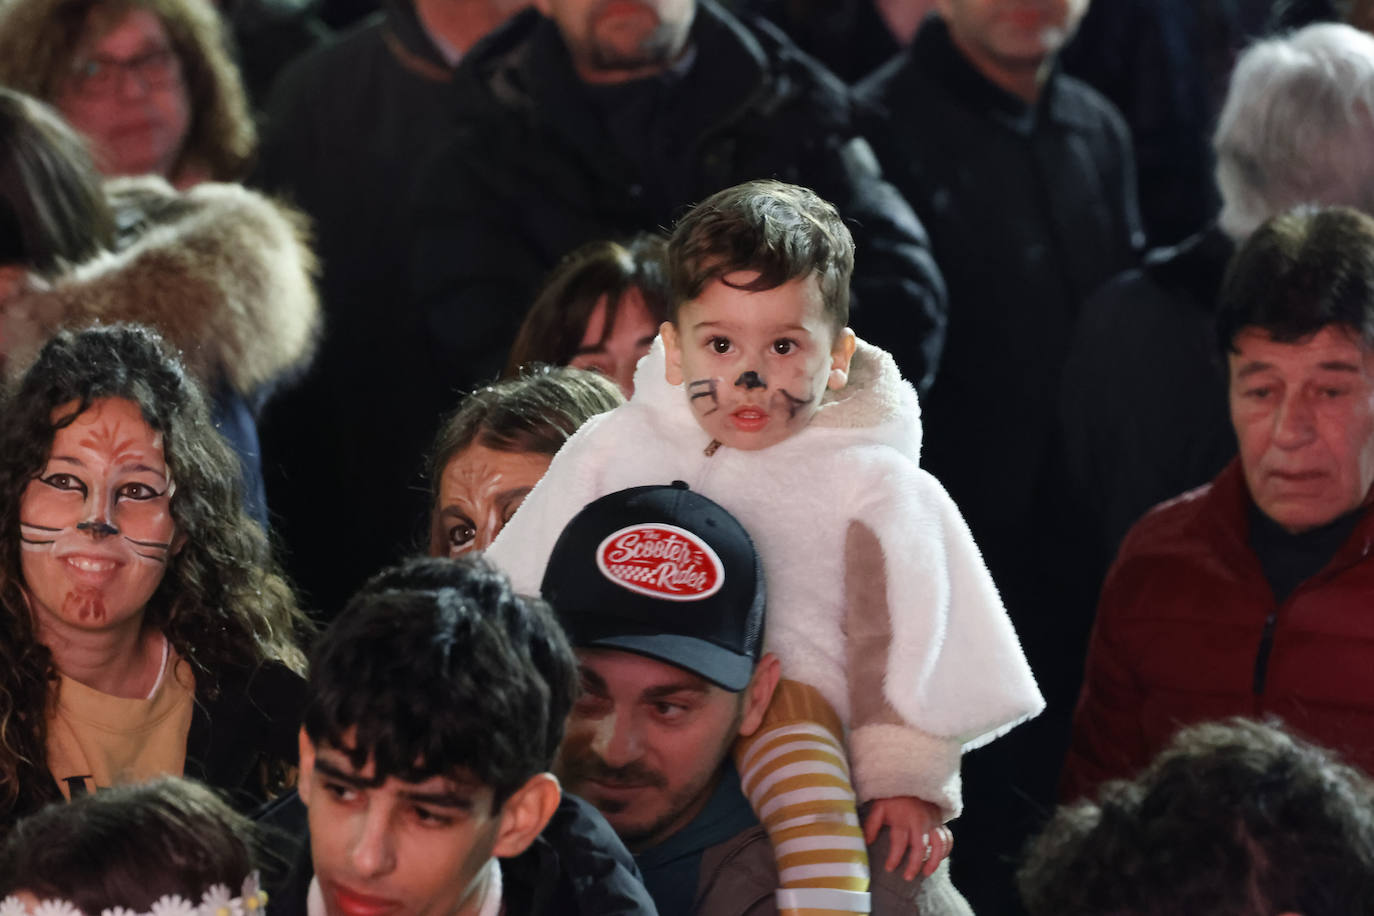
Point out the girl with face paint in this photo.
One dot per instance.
(138, 604)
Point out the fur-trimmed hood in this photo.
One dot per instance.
(223, 273)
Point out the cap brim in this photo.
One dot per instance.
(718, 665)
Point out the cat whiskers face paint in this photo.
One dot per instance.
(96, 524)
(755, 363)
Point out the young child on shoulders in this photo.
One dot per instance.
(893, 640)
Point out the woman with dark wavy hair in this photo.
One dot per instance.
(143, 626)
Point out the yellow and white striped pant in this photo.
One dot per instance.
(796, 775)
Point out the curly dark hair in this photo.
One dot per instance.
(1233, 818)
(553, 327)
(221, 603)
(440, 667)
(129, 846)
(782, 231)
(40, 41)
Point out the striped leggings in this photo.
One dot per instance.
(796, 776)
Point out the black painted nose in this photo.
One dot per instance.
(749, 381)
(98, 529)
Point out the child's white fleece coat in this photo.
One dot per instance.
(954, 671)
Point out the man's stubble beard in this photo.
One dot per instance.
(587, 765)
(655, 52)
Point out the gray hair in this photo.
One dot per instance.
(1297, 126)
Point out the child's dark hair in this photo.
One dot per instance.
(130, 846)
(780, 230)
(438, 667)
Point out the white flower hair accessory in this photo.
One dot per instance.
(216, 901)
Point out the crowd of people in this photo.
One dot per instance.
(684, 457)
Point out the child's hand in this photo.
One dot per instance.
(912, 823)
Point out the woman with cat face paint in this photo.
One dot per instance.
(143, 629)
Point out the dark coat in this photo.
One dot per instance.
(576, 867)
(269, 34)
(1144, 394)
(1029, 210)
(849, 37)
(542, 163)
(345, 127)
(1189, 630)
(1165, 65)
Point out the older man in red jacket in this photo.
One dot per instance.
(1254, 595)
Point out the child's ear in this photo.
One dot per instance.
(672, 350)
(525, 813)
(840, 355)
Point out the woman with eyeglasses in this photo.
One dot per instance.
(148, 83)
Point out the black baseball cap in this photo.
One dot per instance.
(664, 572)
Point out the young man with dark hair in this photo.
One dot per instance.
(1250, 595)
(437, 700)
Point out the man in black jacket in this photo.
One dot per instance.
(600, 118)
(345, 127)
(437, 701)
(1025, 180)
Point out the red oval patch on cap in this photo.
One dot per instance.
(661, 561)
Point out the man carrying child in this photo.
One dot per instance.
(896, 652)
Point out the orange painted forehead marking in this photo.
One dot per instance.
(105, 439)
(112, 436)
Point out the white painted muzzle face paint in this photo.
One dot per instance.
(96, 525)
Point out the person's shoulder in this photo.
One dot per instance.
(335, 58)
(494, 71)
(256, 695)
(1174, 525)
(595, 875)
(284, 828)
(739, 877)
(1077, 104)
(876, 92)
(795, 78)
